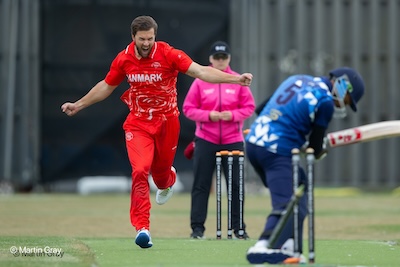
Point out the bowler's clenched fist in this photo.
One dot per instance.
(245, 79)
(69, 108)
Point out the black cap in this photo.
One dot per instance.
(220, 47)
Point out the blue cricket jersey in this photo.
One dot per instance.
(300, 102)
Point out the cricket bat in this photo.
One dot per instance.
(364, 133)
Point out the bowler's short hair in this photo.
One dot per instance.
(143, 23)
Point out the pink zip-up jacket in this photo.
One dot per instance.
(204, 97)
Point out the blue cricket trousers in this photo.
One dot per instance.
(276, 174)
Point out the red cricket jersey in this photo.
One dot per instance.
(152, 80)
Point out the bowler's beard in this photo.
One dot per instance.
(143, 52)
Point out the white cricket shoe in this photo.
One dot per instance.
(163, 195)
(143, 239)
(259, 254)
(288, 246)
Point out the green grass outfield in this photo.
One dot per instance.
(352, 229)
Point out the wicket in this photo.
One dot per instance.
(310, 197)
(230, 156)
(310, 158)
(296, 164)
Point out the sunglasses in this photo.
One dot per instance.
(220, 56)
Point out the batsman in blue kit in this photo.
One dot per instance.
(297, 115)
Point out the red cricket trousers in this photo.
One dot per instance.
(151, 146)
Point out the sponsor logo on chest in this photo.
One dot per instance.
(144, 77)
(230, 91)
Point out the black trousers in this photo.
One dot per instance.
(204, 170)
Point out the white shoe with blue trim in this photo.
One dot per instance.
(143, 239)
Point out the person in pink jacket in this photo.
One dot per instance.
(219, 111)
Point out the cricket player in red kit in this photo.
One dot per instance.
(152, 126)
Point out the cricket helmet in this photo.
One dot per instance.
(357, 83)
